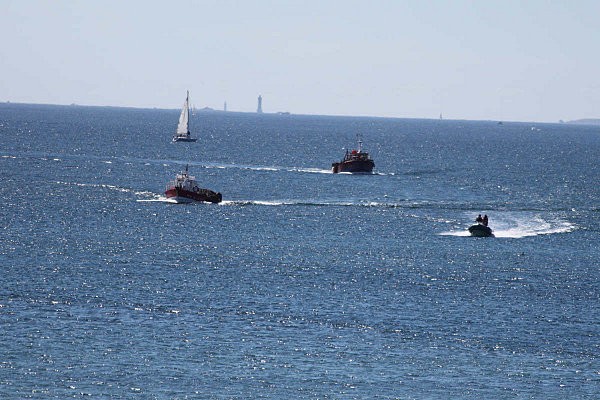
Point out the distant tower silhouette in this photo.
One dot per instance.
(259, 109)
(225, 106)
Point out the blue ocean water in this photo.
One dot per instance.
(302, 283)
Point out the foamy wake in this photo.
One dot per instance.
(157, 199)
(109, 187)
(295, 202)
(274, 169)
(306, 170)
(301, 202)
(533, 227)
(311, 170)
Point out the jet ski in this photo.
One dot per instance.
(480, 230)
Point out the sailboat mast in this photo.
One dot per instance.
(187, 104)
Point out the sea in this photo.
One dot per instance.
(301, 284)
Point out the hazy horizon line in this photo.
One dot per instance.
(210, 109)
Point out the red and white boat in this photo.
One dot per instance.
(185, 189)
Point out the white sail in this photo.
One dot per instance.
(184, 118)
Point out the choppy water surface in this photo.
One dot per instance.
(301, 283)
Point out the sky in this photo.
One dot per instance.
(477, 60)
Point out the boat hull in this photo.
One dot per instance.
(180, 139)
(187, 196)
(481, 231)
(354, 166)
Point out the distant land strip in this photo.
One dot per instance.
(587, 121)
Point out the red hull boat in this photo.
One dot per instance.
(355, 161)
(184, 189)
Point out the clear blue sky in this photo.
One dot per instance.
(498, 60)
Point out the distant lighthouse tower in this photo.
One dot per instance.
(225, 106)
(259, 109)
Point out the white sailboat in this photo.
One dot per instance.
(183, 128)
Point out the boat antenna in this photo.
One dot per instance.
(359, 143)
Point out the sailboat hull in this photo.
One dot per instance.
(183, 139)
